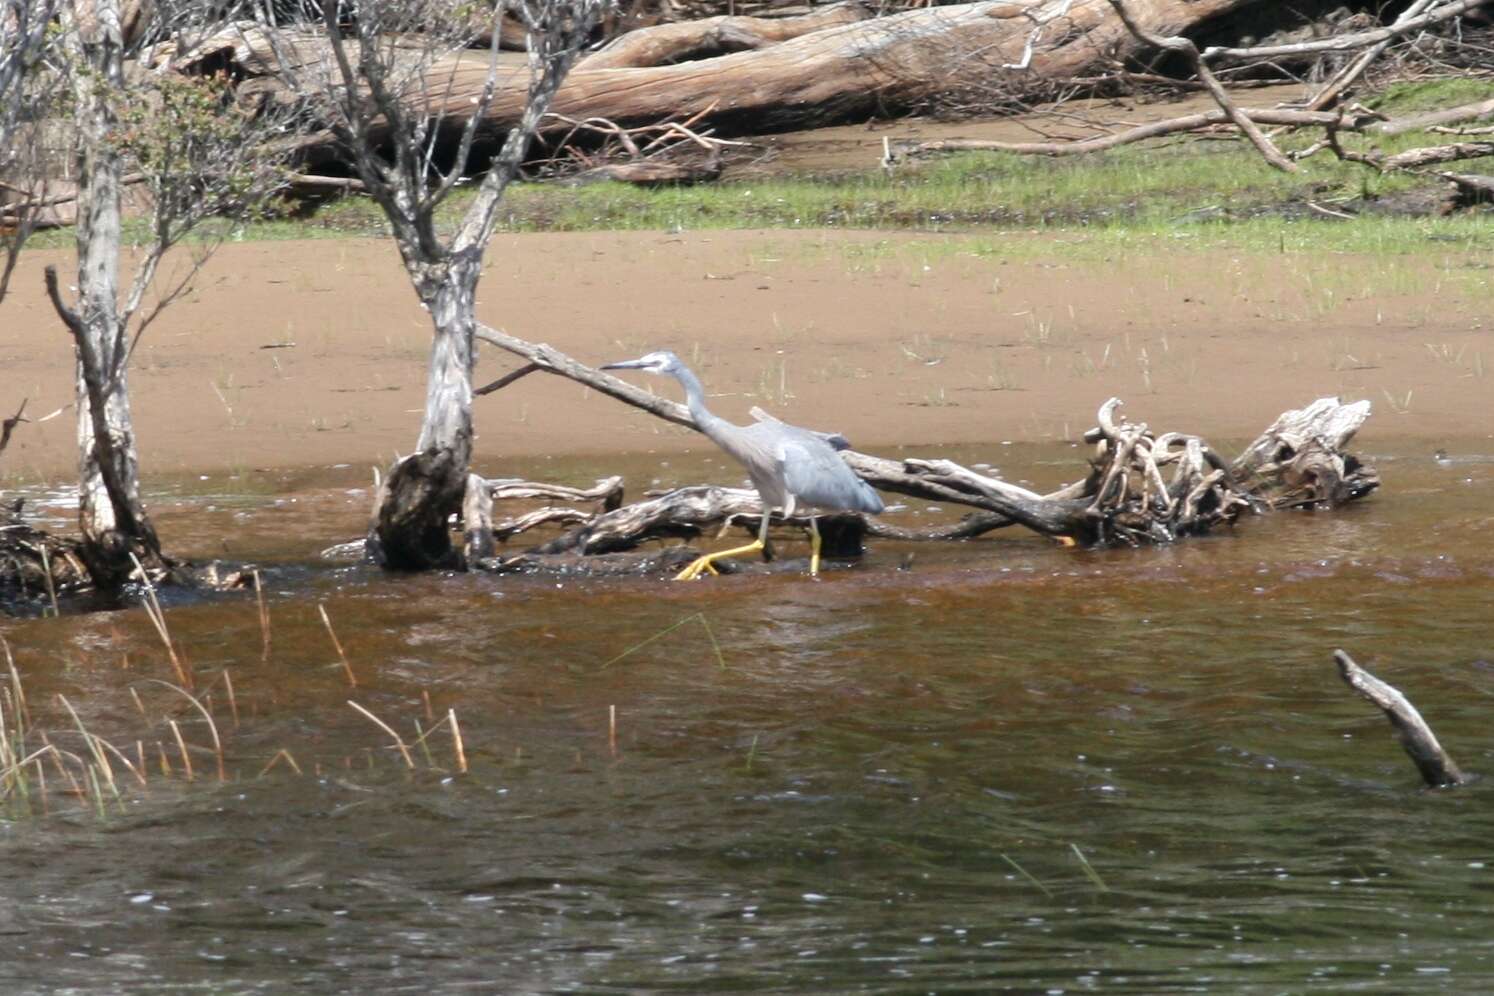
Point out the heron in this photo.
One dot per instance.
(788, 465)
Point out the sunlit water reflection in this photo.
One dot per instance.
(1010, 766)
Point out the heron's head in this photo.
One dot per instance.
(662, 362)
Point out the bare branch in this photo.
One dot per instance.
(1344, 78)
(1416, 122)
(1186, 47)
(8, 426)
(1156, 129)
(1350, 42)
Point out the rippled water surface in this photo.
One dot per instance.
(995, 766)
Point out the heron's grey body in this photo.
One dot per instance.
(789, 466)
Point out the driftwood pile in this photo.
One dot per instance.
(36, 566)
(1140, 487)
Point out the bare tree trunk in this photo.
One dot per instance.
(111, 515)
(410, 527)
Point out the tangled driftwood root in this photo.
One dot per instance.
(36, 566)
(1140, 488)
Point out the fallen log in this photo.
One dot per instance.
(686, 41)
(1435, 765)
(650, 173)
(844, 70)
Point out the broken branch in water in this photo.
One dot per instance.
(1437, 768)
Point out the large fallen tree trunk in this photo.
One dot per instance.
(825, 75)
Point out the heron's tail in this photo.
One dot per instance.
(867, 499)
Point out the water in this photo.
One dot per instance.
(1009, 767)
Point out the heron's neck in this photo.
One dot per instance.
(705, 420)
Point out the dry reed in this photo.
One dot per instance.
(352, 679)
(264, 621)
(158, 620)
(398, 740)
(207, 718)
(456, 741)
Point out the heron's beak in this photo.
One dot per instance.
(624, 365)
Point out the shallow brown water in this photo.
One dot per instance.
(879, 786)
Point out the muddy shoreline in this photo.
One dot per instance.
(313, 353)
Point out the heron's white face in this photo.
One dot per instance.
(658, 363)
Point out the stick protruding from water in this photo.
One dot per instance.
(1437, 767)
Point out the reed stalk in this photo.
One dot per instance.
(398, 741)
(456, 741)
(100, 760)
(158, 620)
(264, 620)
(420, 735)
(347, 667)
(51, 588)
(233, 702)
(181, 745)
(289, 759)
(1089, 871)
(207, 717)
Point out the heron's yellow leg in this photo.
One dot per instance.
(814, 548)
(704, 563)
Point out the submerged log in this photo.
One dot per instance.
(1435, 765)
(688, 512)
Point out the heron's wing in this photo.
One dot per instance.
(816, 475)
(835, 439)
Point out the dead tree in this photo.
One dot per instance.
(194, 156)
(371, 86)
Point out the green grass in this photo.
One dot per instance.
(1217, 193)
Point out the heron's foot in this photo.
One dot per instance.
(696, 567)
(707, 562)
(1066, 541)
